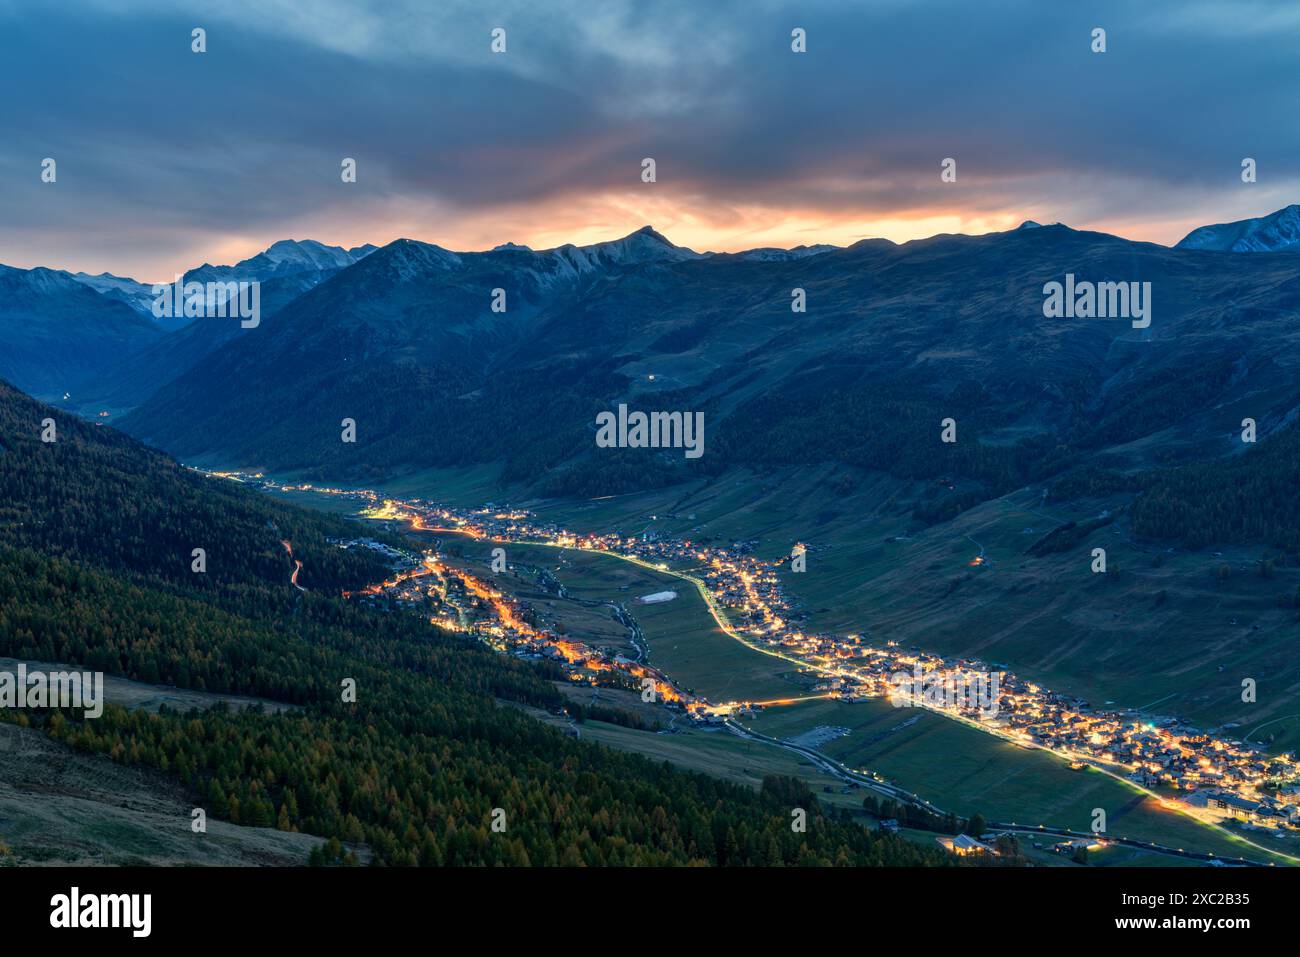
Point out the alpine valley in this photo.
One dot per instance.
(903, 457)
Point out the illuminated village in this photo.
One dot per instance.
(1210, 777)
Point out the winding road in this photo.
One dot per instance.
(297, 565)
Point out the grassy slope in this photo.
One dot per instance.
(60, 806)
(973, 771)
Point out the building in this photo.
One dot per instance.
(963, 845)
(1080, 844)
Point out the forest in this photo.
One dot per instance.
(95, 571)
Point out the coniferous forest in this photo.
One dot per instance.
(95, 571)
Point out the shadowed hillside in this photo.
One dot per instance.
(94, 571)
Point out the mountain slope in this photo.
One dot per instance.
(133, 378)
(58, 333)
(94, 571)
(1275, 232)
(894, 339)
(307, 260)
(137, 295)
(410, 319)
(284, 271)
(287, 268)
(284, 258)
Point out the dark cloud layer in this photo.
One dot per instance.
(166, 156)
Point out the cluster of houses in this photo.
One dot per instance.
(1219, 777)
(1161, 753)
(1269, 812)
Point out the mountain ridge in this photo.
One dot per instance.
(406, 343)
(59, 333)
(1275, 232)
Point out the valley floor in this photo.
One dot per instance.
(958, 768)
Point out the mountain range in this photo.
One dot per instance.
(894, 339)
(405, 340)
(95, 339)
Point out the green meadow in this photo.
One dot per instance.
(968, 771)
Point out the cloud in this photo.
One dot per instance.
(165, 155)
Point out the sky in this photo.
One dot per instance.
(168, 158)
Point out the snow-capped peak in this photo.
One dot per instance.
(1266, 234)
(643, 246)
(772, 254)
(306, 254)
